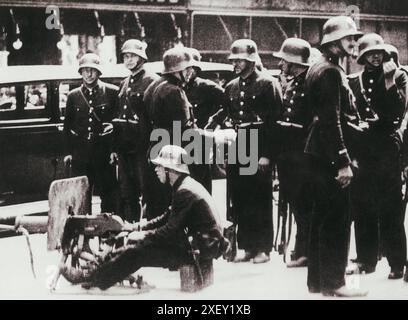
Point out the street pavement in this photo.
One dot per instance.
(243, 281)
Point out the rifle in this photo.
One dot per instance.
(230, 232)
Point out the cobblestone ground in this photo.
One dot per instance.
(245, 281)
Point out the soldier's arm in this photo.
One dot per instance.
(328, 110)
(177, 101)
(182, 203)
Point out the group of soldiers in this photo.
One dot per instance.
(337, 143)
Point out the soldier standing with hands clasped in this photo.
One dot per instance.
(87, 126)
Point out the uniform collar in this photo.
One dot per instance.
(250, 78)
(92, 91)
(173, 79)
(138, 73)
(178, 182)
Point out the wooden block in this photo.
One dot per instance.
(64, 194)
(190, 280)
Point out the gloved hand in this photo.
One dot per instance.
(113, 158)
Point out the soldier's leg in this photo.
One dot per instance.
(129, 188)
(364, 197)
(392, 218)
(132, 258)
(334, 235)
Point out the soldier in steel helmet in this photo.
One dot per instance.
(294, 190)
(169, 106)
(380, 91)
(163, 242)
(132, 129)
(254, 102)
(88, 130)
(328, 148)
(206, 98)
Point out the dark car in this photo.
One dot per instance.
(32, 106)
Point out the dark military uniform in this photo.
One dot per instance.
(132, 132)
(254, 102)
(207, 98)
(294, 183)
(89, 144)
(377, 198)
(166, 243)
(166, 102)
(330, 101)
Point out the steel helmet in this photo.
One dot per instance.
(90, 60)
(136, 47)
(370, 42)
(245, 49)
(339, 27)
(177, 59)
(195, 54)
(294, 50)
(171, 157)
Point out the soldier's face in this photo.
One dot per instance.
(89, 75)
(161, 173)
(240, 66)
(374, 58)
(284, 66)
(131, 60)
(348, 43)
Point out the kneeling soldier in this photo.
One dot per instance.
(163, 242)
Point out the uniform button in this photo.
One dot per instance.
(289, 109)
(128, 89)
(90, 119)
(241, 103)
(296, 84)
(291, 101)
(125, 107)
(370, 90)
(369, 99)
(368, 109)
(243, 83)
(77, 109)
(90, 93)
(253, 97)
(287, 119)
(294, 92)
(371, 81)
(124, 116)
(138, 95)
(302, 95)
(131, 80)
(89, 129)
(242, 93)
(241, 113)
(195, 105)
(90, 101)
(103, 108)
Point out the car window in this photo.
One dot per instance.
(63, 89)
(35, 96)
(7, 98)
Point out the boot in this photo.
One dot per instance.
(345, 292)
(298, 263)
(245, 258)
(261, 257)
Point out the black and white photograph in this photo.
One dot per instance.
(226, 151)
